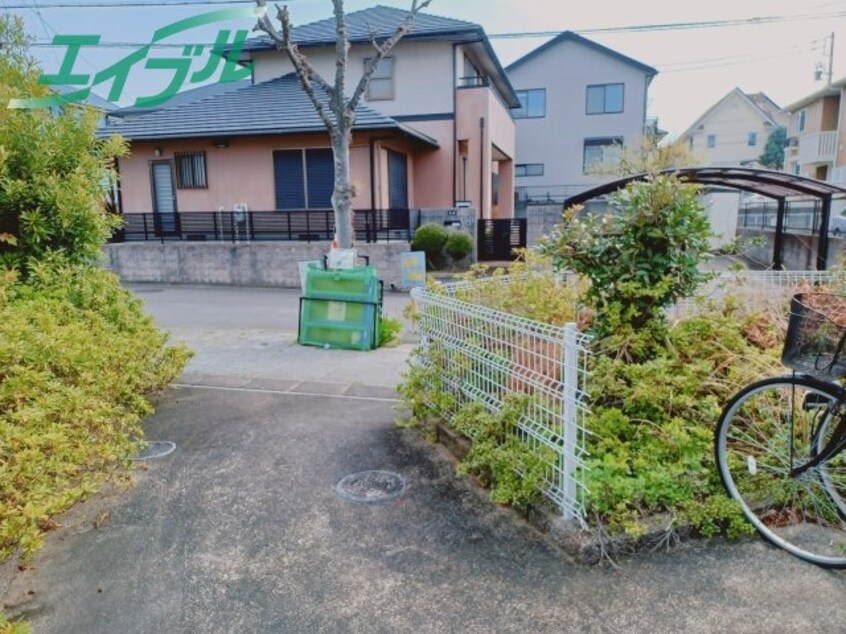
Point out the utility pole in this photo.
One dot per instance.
(820, 67)
(831, 58)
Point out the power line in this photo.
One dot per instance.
(128, 5)
(801, 48)
(681, 26)
(641, 28)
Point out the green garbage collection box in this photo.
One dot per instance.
(340, 308)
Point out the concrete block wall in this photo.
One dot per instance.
(466, 216)
(255, 264)
(799, 252)
(540, 220)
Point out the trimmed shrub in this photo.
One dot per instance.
(430, 238)
(77, 356)
(459, 245)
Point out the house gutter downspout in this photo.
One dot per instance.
(482, 167)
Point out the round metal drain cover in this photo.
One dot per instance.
(153, 449)
(371, 486)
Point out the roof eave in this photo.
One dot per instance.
(828, 91)
(449, 35)
(207, 134)
(575, 37)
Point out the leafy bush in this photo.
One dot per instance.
(54, 171)
(501, 461)
(655, 389)
(533, 290)
(638, 261)
(651, 423)
(77, 354)
(15, 627)
(459, 245)
(389, 330)
(430, 238)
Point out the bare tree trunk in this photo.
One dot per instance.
(342, 195)
(338, 115)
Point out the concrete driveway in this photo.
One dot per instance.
(241, 530)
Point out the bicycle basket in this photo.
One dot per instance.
(816, 335)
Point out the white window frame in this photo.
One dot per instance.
(384, 76)
(528, 169)
(604, 88)
(605, 145)
(523, 111)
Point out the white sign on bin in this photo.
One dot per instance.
(341, 259)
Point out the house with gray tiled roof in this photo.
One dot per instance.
(434, 128)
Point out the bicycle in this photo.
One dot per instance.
(779, 443)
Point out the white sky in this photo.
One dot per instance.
(697, 67)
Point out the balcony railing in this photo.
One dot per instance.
(481, 81)
(370, 225)
(819, 147)
(476, 81)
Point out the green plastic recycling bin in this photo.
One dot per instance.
(340, 308)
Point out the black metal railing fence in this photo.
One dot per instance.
(370, 225)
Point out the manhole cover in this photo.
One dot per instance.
(371, 486)
(153, 449)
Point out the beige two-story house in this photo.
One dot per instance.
(817, 135)
(734, 131)
(434, 129)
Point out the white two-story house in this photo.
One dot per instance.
(580, 103)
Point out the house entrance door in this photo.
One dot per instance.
(398, 180)
(164, 198)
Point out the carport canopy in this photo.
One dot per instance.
(779, 186)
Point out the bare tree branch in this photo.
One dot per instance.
(305, 73)
(383, 49)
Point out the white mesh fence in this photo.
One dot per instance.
(485, 356)
(758, 290)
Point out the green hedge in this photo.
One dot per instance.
(77, 356)
(459, 245)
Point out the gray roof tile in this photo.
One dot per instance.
(278, 106)
(378, 21)
(186, 96)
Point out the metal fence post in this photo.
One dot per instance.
(569, 421)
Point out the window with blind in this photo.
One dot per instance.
(190, 170)
(303, 179)
(382, 81)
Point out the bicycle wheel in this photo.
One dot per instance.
(768, 428)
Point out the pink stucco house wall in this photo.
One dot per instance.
(435, 130)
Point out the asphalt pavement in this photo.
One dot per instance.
(241, 528)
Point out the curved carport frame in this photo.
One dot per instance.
(778, 186)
